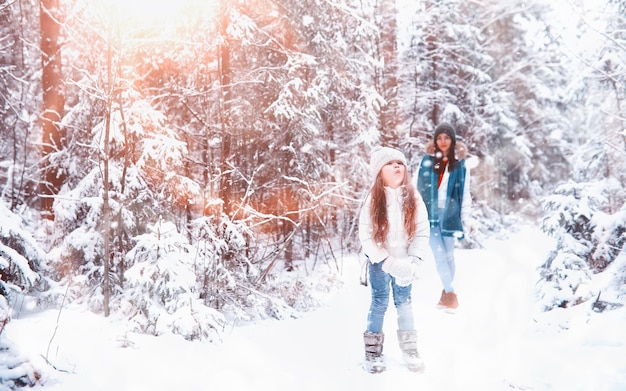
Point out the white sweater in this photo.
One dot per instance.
(397, 239)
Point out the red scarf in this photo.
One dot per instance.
(442, 170)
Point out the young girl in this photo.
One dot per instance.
(394, 232)
(443, 181)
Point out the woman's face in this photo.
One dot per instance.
(393, 173)
(443, 142)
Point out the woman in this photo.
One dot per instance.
(393, 230)
(443, 180)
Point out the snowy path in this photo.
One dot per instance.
(490, 344)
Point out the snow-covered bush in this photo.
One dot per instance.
(15, 371)
(161, 293)
(588, 240)
(21, 258)
(221, 249)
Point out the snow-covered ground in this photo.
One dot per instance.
(498, 340)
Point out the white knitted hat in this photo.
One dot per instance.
(381, 156)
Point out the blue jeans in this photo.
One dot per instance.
(381, 284)
(443, 251)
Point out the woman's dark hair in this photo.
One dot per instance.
(448, 129)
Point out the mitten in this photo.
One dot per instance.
(403, 281)
(415, 267)
(400, 268)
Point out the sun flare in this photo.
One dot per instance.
(161, 17)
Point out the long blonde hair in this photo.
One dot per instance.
(378, 209)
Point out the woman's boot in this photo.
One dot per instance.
(452, 302)
(443, 300)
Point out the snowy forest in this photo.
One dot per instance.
(163, 162)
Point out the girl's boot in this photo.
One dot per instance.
(408, 346)
(374, 362)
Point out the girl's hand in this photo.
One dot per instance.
(416, 262)
(400, 268)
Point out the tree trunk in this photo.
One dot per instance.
(53, 136)
(106, 210)
(432, 46)
(389, 76)
(225, 80)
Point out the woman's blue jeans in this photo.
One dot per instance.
(382, 284)
(443, 252)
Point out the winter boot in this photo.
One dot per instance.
(374, 362)
(443, 299)
(452, 301)
(408, 346)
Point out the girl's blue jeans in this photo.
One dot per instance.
(443, 252)
(382, 284)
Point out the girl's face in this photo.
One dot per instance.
(393, 173)
(443, 142)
